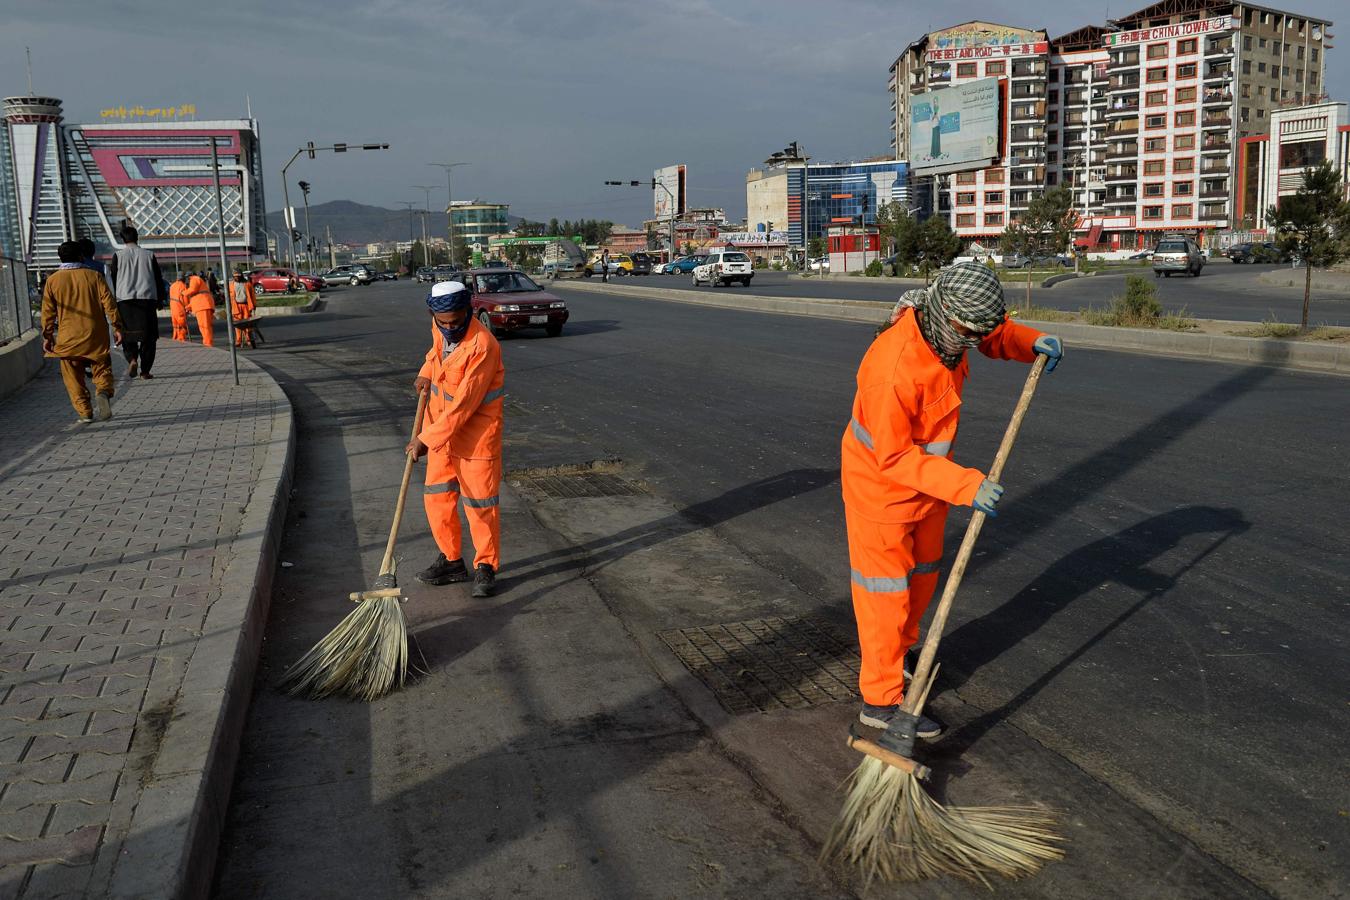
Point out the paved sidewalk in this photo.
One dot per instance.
(135, 557)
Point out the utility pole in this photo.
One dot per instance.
(224, 266)
(285, 188)
(332, 254)
(449, 204)
(411, 240)
(309, 235)
(426, 211)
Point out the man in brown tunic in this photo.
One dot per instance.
(76, 310)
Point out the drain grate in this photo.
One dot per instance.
(569, 485)
(766, 664)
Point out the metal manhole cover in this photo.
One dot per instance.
(566, 486)
(764, 664)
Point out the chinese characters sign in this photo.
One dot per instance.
(1165, 32)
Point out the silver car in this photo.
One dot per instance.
(1177, 255)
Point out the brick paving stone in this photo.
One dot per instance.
(110, 560)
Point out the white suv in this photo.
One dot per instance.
(724, 267)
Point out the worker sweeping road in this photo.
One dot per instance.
(178, 311)
(461, 438)
(243, 303)
(202, 303)
(898, 476)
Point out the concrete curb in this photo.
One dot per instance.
(171, 845)
(1325, 358)
(20, 360)
(1335, 282)
(314, 305)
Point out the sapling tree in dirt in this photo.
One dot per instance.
(1045, 228)
(1314, 224)
(935, 245)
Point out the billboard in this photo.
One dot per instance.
(954, 128)
(673, 177)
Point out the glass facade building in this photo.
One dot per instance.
(850, 193)
(476, 222)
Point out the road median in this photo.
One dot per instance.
(1326, 358)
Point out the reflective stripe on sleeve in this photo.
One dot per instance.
(478, 504)
(927, 568)
(445, 487)
(860, 433)
(494, 395)
(938, 448)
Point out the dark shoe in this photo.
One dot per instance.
(484, 581)
(443, 571)
(146, 376)
(881, 716)
(102, 406)
(131, 369)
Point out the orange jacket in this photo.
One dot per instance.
(176, 305)
(465, 407)
(896, 464)
(242, 310)
(198, 294)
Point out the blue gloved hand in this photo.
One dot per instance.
(987, 497)
(1052, 348)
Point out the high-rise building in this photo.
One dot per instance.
(476, 221)
(63, 181)
(1271, 166)
(805, 198)
(1139, 117)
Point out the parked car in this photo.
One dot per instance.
(1177, 255)
(495, 264)
(1036, 261)
(559, 267)
(311, 283)
(386, 276)
(819, 264)
(354, 274)
(683, 265)
(275, 281)
(506, 300)
(1143, 254)
(723, 267)
(593, 267)
(642, 264)
(446, 273)
(424, 274)
(1248, 252)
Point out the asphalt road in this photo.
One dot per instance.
(1161, 602)
(1223, 291)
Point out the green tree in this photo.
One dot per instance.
(1314, 224)
(817, 248)
(1046, 227)
(935, 245)
(553, 227)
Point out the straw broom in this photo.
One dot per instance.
(366, 655)
(889, 826)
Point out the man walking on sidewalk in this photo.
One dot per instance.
(202, 304)
(897, 473)
(76, 310)
(462, 438)
(139, 288)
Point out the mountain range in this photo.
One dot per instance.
(357, 223)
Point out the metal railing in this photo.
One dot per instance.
(16, 304)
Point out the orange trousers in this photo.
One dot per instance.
(894, 572)
(72, 373)
(206, 323)
(454, 481)
(178, 316)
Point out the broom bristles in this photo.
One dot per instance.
(364, 657)
(893, 830)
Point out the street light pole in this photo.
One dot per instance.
(449, 204)
(224, 265)
(658, 184)
(426, 210)
(309, 235)
(285, 189)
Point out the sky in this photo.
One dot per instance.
(544, 101)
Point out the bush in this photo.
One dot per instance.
(874, 269)
(1140, 300)
(1138, 307)
(777, 267)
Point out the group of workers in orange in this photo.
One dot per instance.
(192, 293)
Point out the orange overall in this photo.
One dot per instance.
(203, 306)
(898, 480)
(242, 310)
(463, 434)
(178, 311)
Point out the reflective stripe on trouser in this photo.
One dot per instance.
(452, 479)
(178, 316)
(894, 572)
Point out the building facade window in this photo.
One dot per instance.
(1155, 145)
(1181, 211)
(1186, 47)
(1157, 51)
(1186, 117)
(995, 67)
(1154, 166)
(1153, 212)
(1186, 71)
(993, 197)
(1156, 98)
(1183, 164)
(1157, 75)
(994, 176)
(1186, 95)
(1183, 142)
(1153, 189)
(965, 177)
(965, 220)
(1183, 188)
(993, 219)
(965, 70)
(965, 198)
(1155, 121)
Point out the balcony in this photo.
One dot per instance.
(1214, 194)
(1213, 213)
(1216, 120)
(1027, 158)
(1026, 177)
(1123, 60)
(1219, 71)
(1128, 173)
(1122, 107)
(1123, 151)
(1214, 165)
(1219, 46)
(1123, 82)
(1122, 127)
(1028, 69)
(1215, 96)
(1122, 200)
(1030, 136)
(1218, 146)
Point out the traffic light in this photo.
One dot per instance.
(295, 236)
(309, 148)
(339, 148)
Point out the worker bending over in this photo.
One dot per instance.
(202, 304)
(243, 303)
(898, 475)
(178, 311)
(462, 438)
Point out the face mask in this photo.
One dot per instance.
(454, 335)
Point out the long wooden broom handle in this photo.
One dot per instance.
(387, 566)
(917, 690)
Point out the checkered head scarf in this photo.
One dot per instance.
(968, 293)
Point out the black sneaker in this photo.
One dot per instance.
(881, 716)
(484, 581)
(443, 571)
